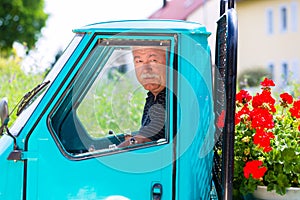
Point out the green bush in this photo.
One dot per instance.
(15, 82)
(294, 86)
(252, 77)
(113, 105)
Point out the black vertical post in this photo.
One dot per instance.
(230, 4)
(222, 7)
(225, 82)
(228, 138)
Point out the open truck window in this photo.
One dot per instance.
(106, 103)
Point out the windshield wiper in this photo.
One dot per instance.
(29, 96)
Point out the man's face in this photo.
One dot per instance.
(150, 68)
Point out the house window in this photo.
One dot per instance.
(270, 22)
(283, 19)
(285, 73)
(294, 16)
(271, 70)
(295, 69)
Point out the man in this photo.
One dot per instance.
(150, 70)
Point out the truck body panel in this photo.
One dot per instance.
(67, 136)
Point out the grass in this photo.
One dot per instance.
(14, 82)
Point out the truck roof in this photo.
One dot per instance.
(145, 26)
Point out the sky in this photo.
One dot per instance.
(66, 15)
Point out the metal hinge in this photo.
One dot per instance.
(18, 155)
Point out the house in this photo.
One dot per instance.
(269, 35)
(206, 12)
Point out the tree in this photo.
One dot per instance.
(21, 21)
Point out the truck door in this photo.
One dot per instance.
(74, 151)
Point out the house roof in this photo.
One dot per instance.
(177, 9)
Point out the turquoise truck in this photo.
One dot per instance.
(65, 142)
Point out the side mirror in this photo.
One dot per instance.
(3, 113)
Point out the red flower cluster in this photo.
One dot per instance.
(264, 101)
(255, 169)
(257, 114)
(262, 139)
(295, 110)
(260, 116)
(243, 97)
(261, 119)
(267, 83)
(286, 98)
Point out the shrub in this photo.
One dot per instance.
(14, 82)
(252, 77)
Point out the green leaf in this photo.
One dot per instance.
(288, 155)
(283, 180)
(280, 190)
(270, 177)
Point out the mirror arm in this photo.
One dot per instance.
(16, 154)
(13, 137)
(4, 125)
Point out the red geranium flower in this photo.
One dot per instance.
(295, 110)
(267, 83)
(243, 97)
(286, 98)
(261, 118)
(262, 131)
(255, 169)
(244, 114)
(262, 139)
(264, 100)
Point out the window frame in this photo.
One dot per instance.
(285, 73)
(294, 16)
(270, 21)
(62, 99)
(295, 66)
(283, 17)
(271, 68)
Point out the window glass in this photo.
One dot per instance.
(271, 69)
(294, 16)
(270, 22)
(118, 99)
(115, 98)
(295, 69)
(283, 15)
(285, 74)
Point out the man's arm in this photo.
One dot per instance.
(153, 131)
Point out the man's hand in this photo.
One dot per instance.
(137, 139)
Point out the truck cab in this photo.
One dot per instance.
(65, 141)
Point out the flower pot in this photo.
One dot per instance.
(261, 193)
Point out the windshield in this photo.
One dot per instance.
(26, 111)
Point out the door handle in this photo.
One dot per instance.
(156, 191)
